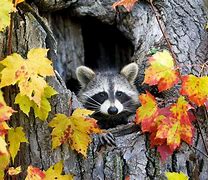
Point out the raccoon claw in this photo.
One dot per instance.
(107, 138)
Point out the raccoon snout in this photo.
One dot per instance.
(112, 110)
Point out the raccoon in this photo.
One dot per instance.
(112, 95)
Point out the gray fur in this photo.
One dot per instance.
(110, 82)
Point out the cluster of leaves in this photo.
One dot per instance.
(29, 76)
(169, 126)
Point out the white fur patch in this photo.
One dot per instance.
(119, 106)
(105, 106)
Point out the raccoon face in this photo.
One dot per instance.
(109, 93)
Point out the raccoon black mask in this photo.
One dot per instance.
(111, 95)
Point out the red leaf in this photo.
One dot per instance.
(164, 151)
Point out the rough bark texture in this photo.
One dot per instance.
(61, 31)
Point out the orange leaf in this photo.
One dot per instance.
(34, 173)
(5, 111)
(3, 128)
(147, 113)
(128, 4)
(14, 171)
(17, 2)
(195, 88)
(161, 71)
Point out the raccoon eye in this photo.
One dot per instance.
(119, 93)
(102, 94)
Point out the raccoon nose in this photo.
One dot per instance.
(112, 110)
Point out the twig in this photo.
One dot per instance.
(164, 35)
(198, 150)
(200, 132)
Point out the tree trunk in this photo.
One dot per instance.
(90, 32)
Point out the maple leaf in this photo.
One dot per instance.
(75, 130)
(128, 4)
(34, 173)
(161, 71)
(41, 111)
(54, 172)
(147, 113)
(5, 111)
(14, 171)
(28, 74)
(176, 176)
(177, 126)
(195, 88)
(6, 8)
(15, 137)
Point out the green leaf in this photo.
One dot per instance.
(15, 137)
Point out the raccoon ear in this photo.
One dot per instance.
(84, 75)
(130, 71)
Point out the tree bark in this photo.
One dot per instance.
(58, 28)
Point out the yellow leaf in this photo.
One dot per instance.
(54, 172)
(28, 74)
(3, 145)
(14, 171)
(4, 162)
(40, 111)
(75, 130)
(15, 137)
(6, 8)
(176, 176)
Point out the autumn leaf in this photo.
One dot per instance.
(15, 137)
(3, 146)
(28, 74)
(128, 4)
(6, 8)
(195, 88)
(34, 173)
(74, 130)
(17, 2)
(177, 126)
(164, 151)
(14, 171)
(176, 176)
(41, 111)
(161, 71)
(54, 172)
(3, 128)
(147, 112)
(5, 111)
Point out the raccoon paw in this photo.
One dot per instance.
(107, 138)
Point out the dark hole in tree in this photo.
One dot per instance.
(105, 47)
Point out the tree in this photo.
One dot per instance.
(64, 27)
